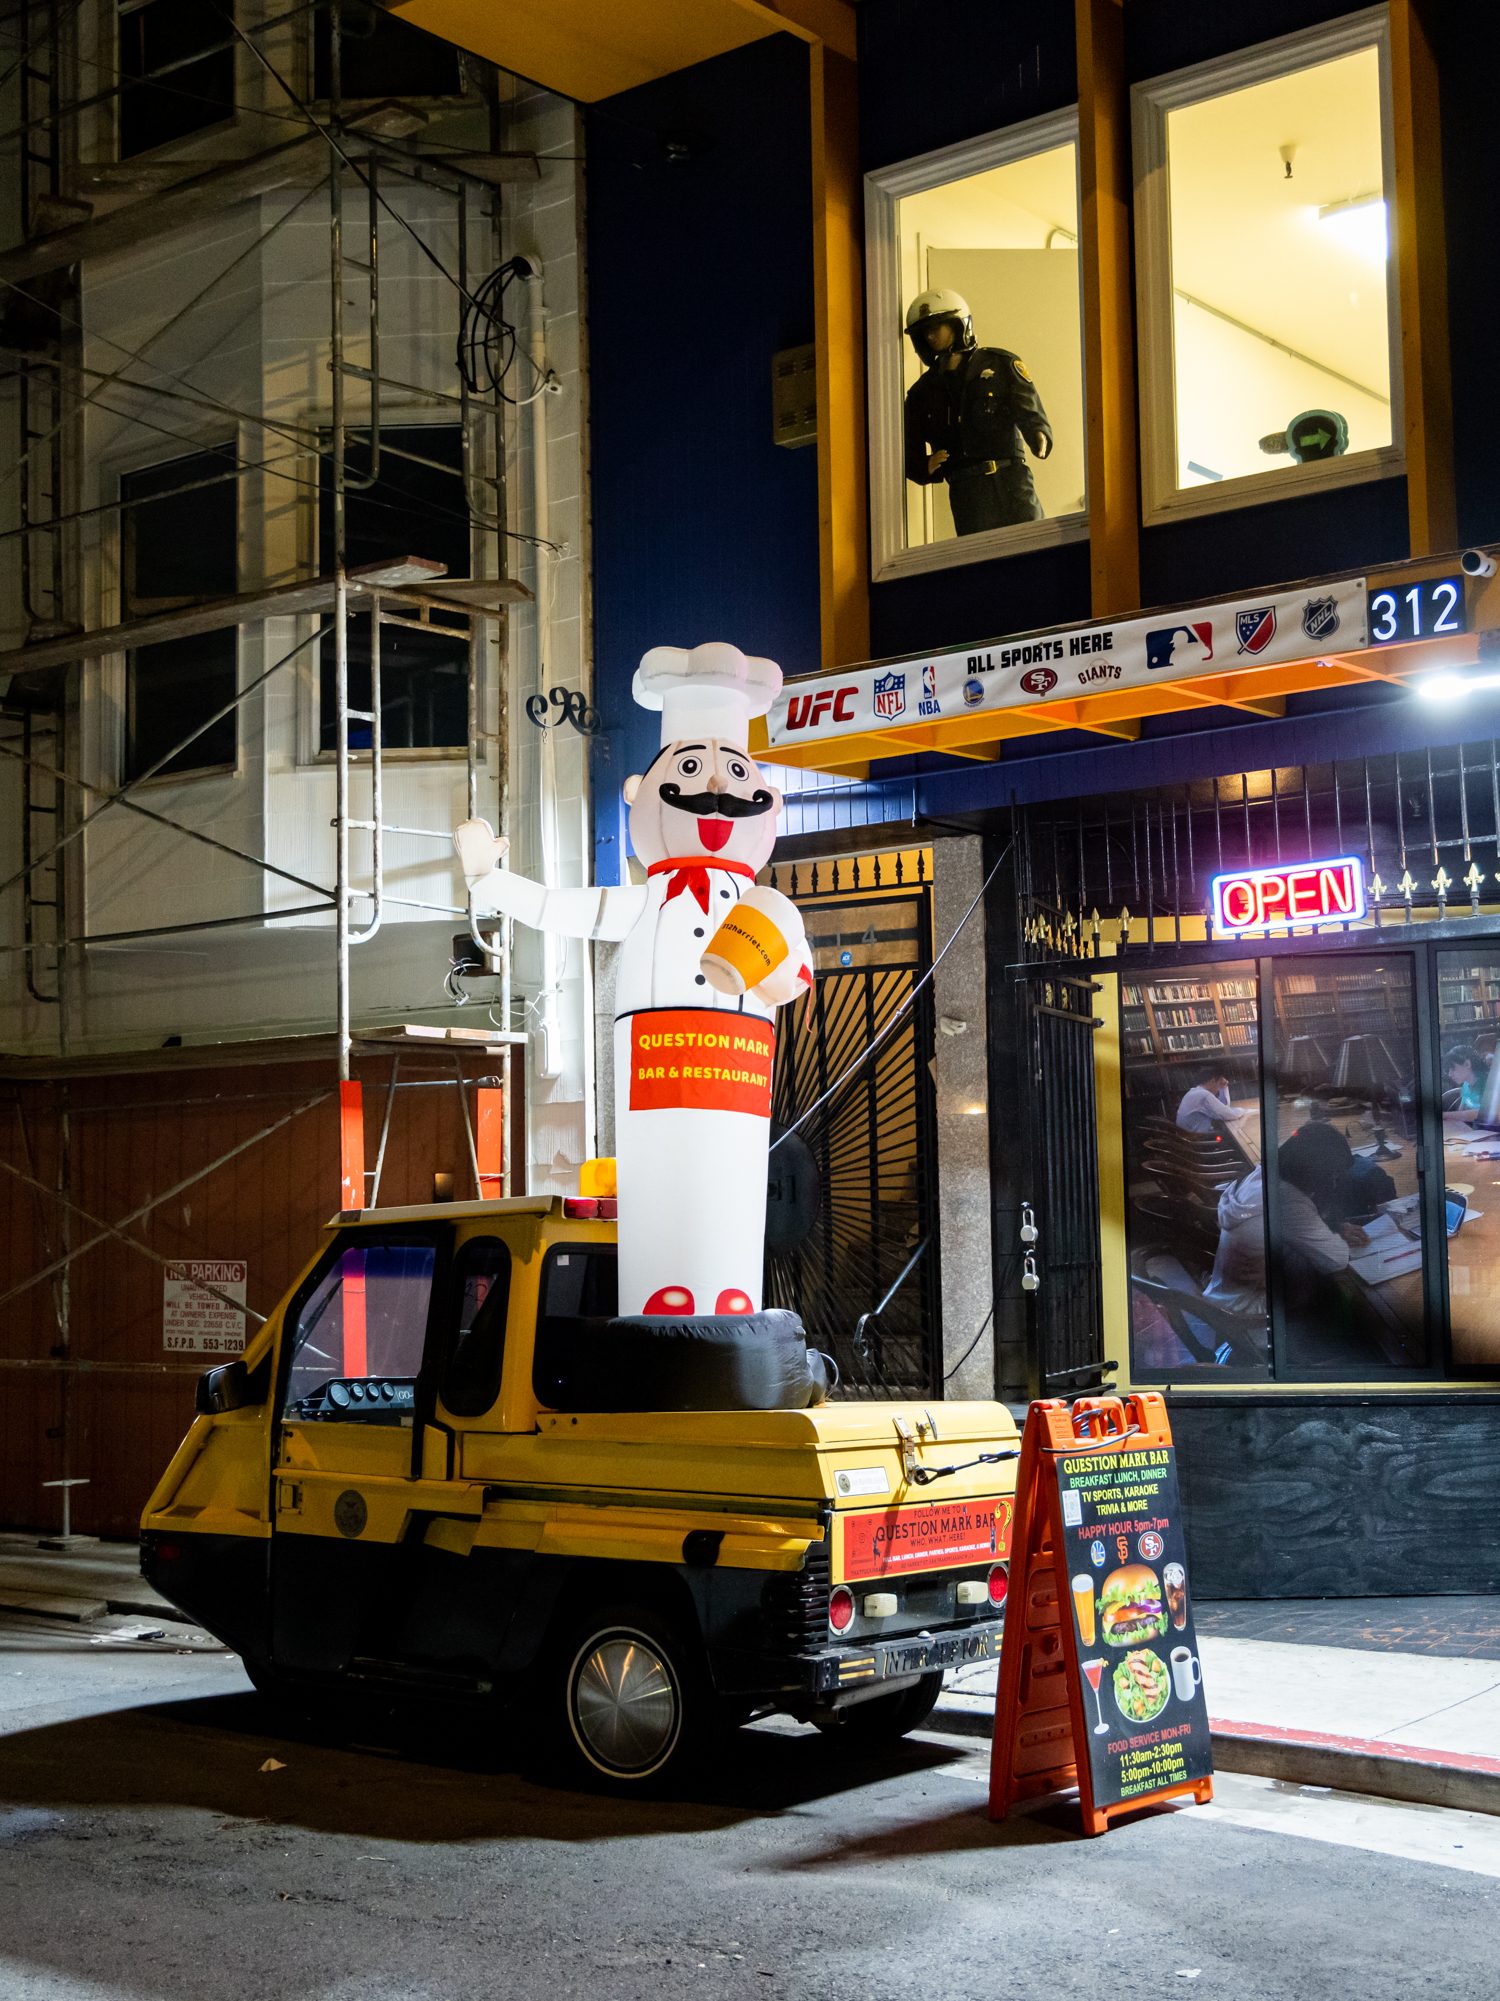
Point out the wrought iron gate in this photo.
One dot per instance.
(1060, 1266)
(865, 1278)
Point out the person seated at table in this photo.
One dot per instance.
(1206, 1104)
(1313, 1168)
(1466, 1072)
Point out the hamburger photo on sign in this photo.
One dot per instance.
(1130, 1606)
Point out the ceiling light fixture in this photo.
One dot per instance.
(1361, 224)
(1454, 686)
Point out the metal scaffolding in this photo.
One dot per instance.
(354, 154)
(43, 330)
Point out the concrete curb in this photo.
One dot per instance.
(1344, 1764)
(40, 1605)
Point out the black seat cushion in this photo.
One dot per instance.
(738, 1361)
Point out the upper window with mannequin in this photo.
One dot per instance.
(976, 369)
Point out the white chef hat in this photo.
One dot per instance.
(709, 691)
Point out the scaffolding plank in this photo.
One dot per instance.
(207, 194)
(463, 594)
(248, 608)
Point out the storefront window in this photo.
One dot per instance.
(1469, 1078)
(1191, 1065)
(1294, 1256)
(1346, 1209)
(976, 369)
(1266, 283)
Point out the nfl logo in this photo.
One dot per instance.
(890, 696)
(1255, 629)
(1320, 618)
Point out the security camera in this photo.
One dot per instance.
(1477, 563)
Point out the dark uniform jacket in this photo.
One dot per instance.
(992, 408)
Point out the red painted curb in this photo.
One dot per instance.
(1368, 1747)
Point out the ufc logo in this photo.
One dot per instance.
(806, 711)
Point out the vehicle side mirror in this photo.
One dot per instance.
(226, 1387)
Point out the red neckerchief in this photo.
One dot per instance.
(691, 872)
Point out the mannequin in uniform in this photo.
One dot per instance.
(692, 1064)
(970, 417)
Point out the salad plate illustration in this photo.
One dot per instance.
(1141, 1685)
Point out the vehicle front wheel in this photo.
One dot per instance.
(885, 1717)
(635, 1699)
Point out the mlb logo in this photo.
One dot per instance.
(1255, 629)
(890, 696)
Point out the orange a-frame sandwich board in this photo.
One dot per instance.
(1043, 1736)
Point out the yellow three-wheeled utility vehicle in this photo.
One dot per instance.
(399, 1487)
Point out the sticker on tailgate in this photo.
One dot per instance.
(937, 1535)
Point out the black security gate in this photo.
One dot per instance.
(1059, 1268)
(852, 1063)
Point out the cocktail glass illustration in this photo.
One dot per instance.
(1094, 1673)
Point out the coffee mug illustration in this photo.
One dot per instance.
(1187, 1675)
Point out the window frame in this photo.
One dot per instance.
(438, 1237)
(113, 691)
(183, 144)
(885, 189)
(1162, 500)
(316, 421)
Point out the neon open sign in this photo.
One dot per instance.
(1265, 899)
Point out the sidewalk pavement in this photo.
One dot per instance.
(1355, 1717)
(1384, 1699)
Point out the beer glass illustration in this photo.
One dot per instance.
(1093, 1672)
(1083, 1606)
(1174, 1577)
(1186, 1673)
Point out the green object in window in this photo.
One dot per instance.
(1317, 434)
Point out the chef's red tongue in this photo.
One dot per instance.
(714, 833)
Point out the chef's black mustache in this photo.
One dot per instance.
(727, 803)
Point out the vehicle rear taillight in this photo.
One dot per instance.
(167, 1552)
(581, 1207)
(841, 1608)
(999, 1583)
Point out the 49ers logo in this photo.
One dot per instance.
(1039, 681)
(807, 711)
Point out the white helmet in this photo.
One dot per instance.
(932, 308)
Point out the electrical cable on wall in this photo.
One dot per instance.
(487, 340)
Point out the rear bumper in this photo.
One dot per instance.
(900, 1658)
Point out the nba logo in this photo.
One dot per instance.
(929, 679)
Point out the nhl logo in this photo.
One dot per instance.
(890, 696)
(1320, 618)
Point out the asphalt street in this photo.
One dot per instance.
(163, 1834)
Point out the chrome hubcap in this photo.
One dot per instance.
(626, 1711)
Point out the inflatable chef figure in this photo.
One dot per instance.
(707, 958)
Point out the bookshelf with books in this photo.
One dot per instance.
(1468, 997)
(1189, 1017)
